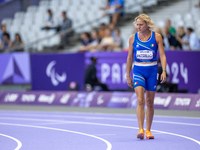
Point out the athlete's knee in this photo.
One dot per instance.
(140, 102)
(149, 102)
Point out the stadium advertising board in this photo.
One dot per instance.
(15, 68)
(100, 99)
(37, 98)
(182, 68)
(56, 71)
(163, 101)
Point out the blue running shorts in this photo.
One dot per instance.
(145, 76)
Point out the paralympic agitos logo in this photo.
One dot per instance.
(55, 77)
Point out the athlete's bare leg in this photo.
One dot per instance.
(150, 108)
(140, 106)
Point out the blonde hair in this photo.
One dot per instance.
(158, 30)
(146, 19)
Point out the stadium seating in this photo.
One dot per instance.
(181, 13)
(30, 22)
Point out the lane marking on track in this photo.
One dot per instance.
(85, 113)
(109, 146)
(53, 123)
(19, 144)
(157, 133)
(104, 134)
(109, 125)
(117, 119)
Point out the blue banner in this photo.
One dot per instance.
(182, 68)
(111, 68)
(15, 68)
(56, 71)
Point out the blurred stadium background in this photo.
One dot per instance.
(48, 64)
(28, 17)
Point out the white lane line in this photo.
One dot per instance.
(182, 117)
(178, 123)
(109, 125)
(119, 119)
(186, 137)
(109, 146)
(19, 144)
(104, 134)
(157, 133)
(72, 116)
(54, 123)
(89, 113)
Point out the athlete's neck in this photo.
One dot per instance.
(145, 34)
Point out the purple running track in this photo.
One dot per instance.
(21, 130)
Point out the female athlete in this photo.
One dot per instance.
(143, 45)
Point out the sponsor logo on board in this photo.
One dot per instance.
(100, 100)
(198, 103)
(65, 99)
(11, 97)
(28, 98)
(182, 101)
(162, 101)
(46, 98)
(119, 100)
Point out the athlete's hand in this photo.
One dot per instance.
(130, 82)
(163, 77)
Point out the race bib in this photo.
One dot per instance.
(144, 55)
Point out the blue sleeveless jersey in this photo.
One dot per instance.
(145, 51)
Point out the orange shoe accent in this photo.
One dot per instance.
(149, 135)
(140, 134)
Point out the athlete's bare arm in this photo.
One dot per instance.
(162, 56)
(130, 61)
